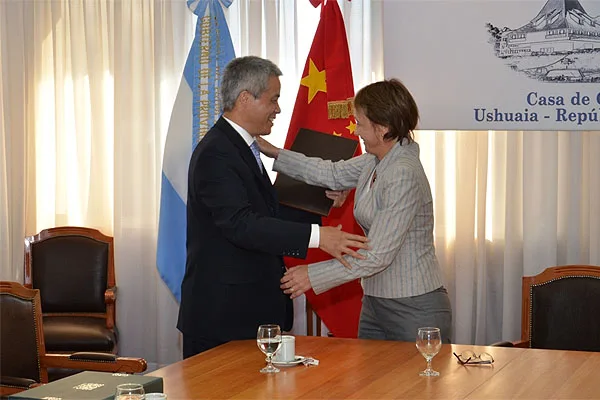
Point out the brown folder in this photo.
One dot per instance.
(311, 143)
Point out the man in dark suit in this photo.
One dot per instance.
(236, 233)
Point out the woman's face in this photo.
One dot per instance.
(371, 134)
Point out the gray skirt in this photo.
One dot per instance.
(399, 319)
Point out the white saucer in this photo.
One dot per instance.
(297, 361)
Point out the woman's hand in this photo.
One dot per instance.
(338, 196)
(267, 148)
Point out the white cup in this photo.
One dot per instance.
(287, 351)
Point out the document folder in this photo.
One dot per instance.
(89, 385)
(311, 143)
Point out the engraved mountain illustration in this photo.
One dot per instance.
(560, 44)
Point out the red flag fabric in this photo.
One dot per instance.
(324, 103)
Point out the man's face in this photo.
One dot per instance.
(261, 111)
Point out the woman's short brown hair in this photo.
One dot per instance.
(389, 103)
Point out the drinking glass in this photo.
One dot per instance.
(268, 339)
(129, 391)
(429, 343)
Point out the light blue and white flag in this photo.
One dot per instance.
(197, 107)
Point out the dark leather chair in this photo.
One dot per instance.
(561, 309)
(22, 351)
(73, 267)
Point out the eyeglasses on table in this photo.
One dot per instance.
(470, 358)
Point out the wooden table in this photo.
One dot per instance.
(369, 369)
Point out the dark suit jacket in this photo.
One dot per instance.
(235, 243)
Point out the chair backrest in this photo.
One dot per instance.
(24, 362)
(561, 308)
(21, 337)
(72, 267)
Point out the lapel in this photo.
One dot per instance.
(407, 151)
(247, 157)
(365, 178)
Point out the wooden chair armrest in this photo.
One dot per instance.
(93, 356)
(504, 343)
(15, 382)
(110, 295)
(518, 343)
(103, 362)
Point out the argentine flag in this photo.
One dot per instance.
(197, 107)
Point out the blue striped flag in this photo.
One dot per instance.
(197, 107)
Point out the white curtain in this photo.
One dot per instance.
(86, 92)
(13, 123)
(509, 204)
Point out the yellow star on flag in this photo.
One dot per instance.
(351, 127)
(314, 81)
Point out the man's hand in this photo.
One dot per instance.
(337, 243)
(295, 281)
(267, 148)
(338, 196)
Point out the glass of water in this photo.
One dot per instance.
(429, 343)
(268, 339)
(129, 391)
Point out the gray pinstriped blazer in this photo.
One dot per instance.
(396, 214)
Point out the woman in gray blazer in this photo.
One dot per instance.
(401, 278)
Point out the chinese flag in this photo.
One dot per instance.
(324, 103)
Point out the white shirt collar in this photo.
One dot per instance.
(242, 132)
